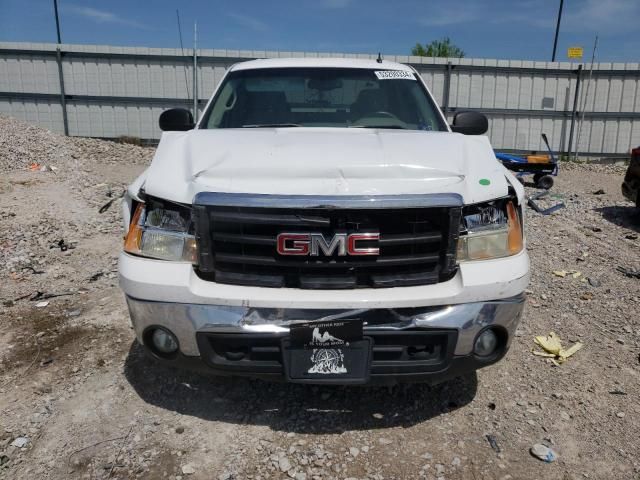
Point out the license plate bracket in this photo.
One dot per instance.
(327, 352)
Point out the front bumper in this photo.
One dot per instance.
(448, 332)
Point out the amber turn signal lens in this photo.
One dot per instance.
(133, 239)
(514, 238)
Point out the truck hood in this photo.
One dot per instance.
(323, 161)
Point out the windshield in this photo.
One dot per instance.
(323, 97)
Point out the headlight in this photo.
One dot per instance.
(491, 230)
(163, 231)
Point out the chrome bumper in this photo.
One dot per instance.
(184, 320)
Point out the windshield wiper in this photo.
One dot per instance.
(271, 125)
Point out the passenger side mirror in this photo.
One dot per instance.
(176, 120)
(470, 123)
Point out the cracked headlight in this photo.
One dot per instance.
(491, 230)
(162, 230)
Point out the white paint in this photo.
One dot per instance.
(323, 161)
(320, 63)
(476, 281)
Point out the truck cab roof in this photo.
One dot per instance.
(320, 62)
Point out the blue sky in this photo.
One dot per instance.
(511, 29)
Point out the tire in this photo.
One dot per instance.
(537, 177)
(545, 182)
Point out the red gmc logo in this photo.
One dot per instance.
(315, 244)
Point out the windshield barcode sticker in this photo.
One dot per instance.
(394, 75)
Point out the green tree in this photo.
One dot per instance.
(438, 48)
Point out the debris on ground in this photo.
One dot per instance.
(564, 273)
(552, 347)
(617, 392)
(20, 442)
(544, 453)
(493, 442)
(546, 209)
(629, 272)
(594, 282)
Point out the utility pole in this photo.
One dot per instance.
(586, 96)
(63, 96)
(55, 8)
(555, 40)
(195, 72)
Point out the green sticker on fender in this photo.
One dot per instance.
(484, 181)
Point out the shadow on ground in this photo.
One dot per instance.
(292, 407)
(626, 217)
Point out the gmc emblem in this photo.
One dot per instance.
(312, 244)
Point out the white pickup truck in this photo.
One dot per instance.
(322, 223)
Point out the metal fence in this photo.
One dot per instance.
(106, 91)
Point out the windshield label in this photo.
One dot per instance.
(394, 75)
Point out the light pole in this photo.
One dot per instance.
(555, 40)
(63, 97)
(55, 8)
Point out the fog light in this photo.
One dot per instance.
(486, 343)
(164, 341)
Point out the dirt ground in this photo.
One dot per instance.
(80, 400)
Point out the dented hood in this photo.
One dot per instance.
(323, 161)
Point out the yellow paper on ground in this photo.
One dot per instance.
(552, 347)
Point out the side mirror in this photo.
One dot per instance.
(470, 123)
(176, 119)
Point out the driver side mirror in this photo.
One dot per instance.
(470, 123)
(176, 120)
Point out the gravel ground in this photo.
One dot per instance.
(78, 399)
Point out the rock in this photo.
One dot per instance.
(456, 461)
(620, 414)
(354, 452)
(544, 453)
(284, 464)
(300, 476)
(378, 416)
(385, 441)
(179, 430)
(594, 282)
(188, 469)
(600, 191)
(439, 469)
(20, 442)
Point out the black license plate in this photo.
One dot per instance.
(327, 352)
